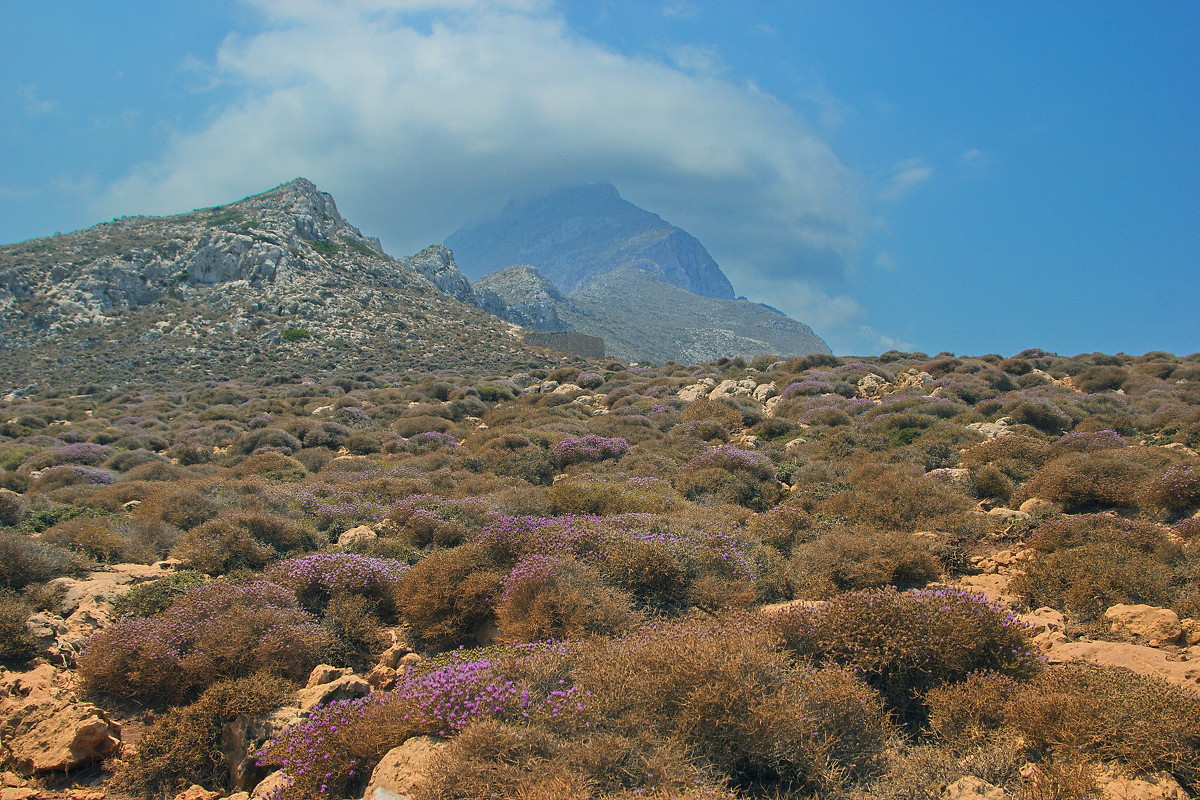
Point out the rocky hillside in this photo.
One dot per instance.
(277, 281)
(579, 233)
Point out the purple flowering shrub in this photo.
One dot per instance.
(559, 597)
(81, 453)
(906, 643)
(71, 475)
(332, 753)
(220, 630)
(318, 578)
(589, 448)
(428, 441)
(729, 474)
(1177, 490)
(1085, 441)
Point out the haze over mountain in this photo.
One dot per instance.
(576, 233)
(581, 258)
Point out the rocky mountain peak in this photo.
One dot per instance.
(575, 234)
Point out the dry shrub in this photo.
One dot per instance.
(972, 709)
(1177, 490)
(780, 526)
(241, 541)
(907, 643)
(846, 560)
(184, 507)
(657, 573)
(273, 466)
(1086, 580)
(712, 411)
(1018, 456)
(184, 746)
(157, 471)
(10, 507)
(1095, 480)
(897, 498)
(16, 643)
(603, 496)
(1111, 713)
(25, 561)
(449, 594)
(722, 691)
(1065, 532)
(558, 597)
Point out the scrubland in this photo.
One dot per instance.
(623, 582)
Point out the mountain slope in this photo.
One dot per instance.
(277, 281)
(575, 234)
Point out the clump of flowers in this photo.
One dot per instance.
(577, 450)
(1086, 441)
(1177, 489)
(334, 750)
(220, 630)
(318, 577)
(730, 457)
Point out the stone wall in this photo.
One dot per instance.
(579, 344)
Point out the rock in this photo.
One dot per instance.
(732, 388)
(391, 657)
(382, 677)
(348, 687)
(764, 392)
(245, 736)
(357, 537)
(794, 445)
(196, 792)
(1048, 626)
(400, 769)
(324, 673)
(1138, 658)
(45, 729)
(972, 788)
(992, 430)
(239, 796)
(1036, 506)
(992, 586)
(270, 786)
(1191, 631)
(872, 385)
(18, 793)
(1155, 626)
(913, 378)
(61, 737)
(409, 660)
(567, 388)
(1007, 514)
(697, 391)
(1165, 788)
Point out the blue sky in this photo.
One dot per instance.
(972, 177)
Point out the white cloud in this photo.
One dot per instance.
(679, 9)
(416, 124)
(697, 59)
(34, 105)
(906, 176)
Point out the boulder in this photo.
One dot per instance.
(992, 430)
(324, 673)
(1038, 506)
(43, 728)
(1165, 788)
(270, 786)
(1138, 658)
(197, 792)
(1048, 626)
(401, 768)
(764, 392)
(245, 736)
(348, 687)
(872, 385)
(357, 537)
(1155, 626)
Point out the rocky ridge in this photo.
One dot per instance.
(278, 279)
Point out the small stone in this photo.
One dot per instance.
(196, 792)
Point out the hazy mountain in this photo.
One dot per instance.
(578, 233)
(275, 281)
